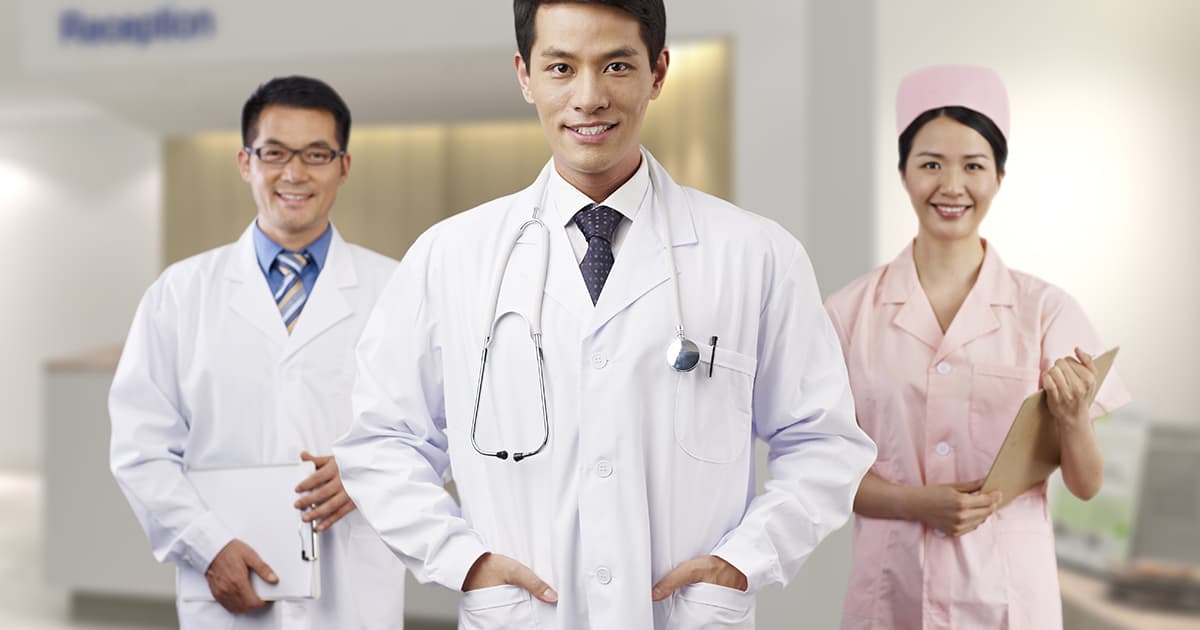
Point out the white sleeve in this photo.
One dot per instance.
(149, 435)
(804, 411)
(394, 458)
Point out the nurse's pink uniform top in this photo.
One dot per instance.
(938, 407)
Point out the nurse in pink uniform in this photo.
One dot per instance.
(942, 345)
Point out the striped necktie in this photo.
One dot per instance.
(290, 295)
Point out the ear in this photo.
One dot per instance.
(523, 77)
(345, 169)
(1000, 178)
(243, 160)
(660, 72)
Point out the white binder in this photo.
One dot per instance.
(256, 504)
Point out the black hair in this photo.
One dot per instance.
(650, 14)
(969, 117)
(300, 92)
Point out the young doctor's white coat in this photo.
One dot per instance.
(646, 467)
(210, 378)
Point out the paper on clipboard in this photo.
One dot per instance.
(1030, 451)
(256, 504)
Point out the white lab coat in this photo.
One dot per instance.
(646, 467)
(209, 378)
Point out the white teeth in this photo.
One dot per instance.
(951, 210)
(293, 197)
(592, 131)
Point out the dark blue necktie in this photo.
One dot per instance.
(597, 224)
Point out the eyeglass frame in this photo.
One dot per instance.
(257, 152)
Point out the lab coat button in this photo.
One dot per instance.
(943, 368)
(942, 448)
(604, 468)
(599, 360)
(603, 575)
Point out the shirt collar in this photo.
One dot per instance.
(568, 200)
(268, 250)
(995, 282)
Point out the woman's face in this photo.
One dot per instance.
(951, 178)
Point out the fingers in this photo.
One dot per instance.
(977, 501)
(260, 567)
(319, 460)
(320, 495)
(324, 473)
(524, 577)
(968, 486)
(682, 575)
(1085, 359)
(326, 509)
(328, 521)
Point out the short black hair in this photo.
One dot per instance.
(300, 92)
(977, 121)
(969, 117)
(650, 14)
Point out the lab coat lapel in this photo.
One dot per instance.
(994, 288)
(564, 282)
(327, 305)
(249, 295)
(901, 286)
(641, 264)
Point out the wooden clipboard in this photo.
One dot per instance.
(1030, 451)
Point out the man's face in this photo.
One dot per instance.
(590, 78)
(294, 199)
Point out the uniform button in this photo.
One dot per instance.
(939, 533)
(604, 468)
(603, 575)
(599, 360)
(942, 449)
(944, 368)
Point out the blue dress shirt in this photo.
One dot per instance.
(267, 250)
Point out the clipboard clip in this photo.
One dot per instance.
(308, 542)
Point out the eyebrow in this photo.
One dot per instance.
(973, 156)
(618, 53)
(318, 143)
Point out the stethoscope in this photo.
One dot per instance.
(683, 355)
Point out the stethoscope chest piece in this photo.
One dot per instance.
(683, 354)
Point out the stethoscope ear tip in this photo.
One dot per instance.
(501, 454)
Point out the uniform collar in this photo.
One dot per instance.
(995, 284)
(267, 250)
(566, 200)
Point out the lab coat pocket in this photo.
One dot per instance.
(704, 606)
(712, 414)
(495, 607)
(375, 575)
(996, 394)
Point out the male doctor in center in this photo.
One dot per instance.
(640, 510)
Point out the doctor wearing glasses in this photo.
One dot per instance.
(593, 358)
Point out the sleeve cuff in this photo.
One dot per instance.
(455, 559)
(203, 540)
(759, 568)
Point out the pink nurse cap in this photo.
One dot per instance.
(973, 87)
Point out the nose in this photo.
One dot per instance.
(295, 170)
(591, 95)
(953, 183)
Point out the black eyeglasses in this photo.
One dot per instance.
(278, 155)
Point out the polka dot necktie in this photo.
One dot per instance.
(290, 296)
(597, 224)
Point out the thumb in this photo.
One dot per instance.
(1085, 359)
(678, 577)
(260, 567)
(305, 456)
(524, 577)
(968, 486)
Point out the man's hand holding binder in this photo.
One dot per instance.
(326, 496)
(229, 577)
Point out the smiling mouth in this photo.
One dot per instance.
(950, 212)
(293, 197)
(591, 130)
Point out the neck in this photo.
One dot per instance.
(599, 186)
(947, 263)
(293, 241)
